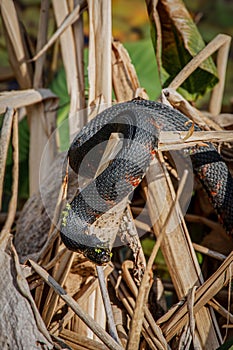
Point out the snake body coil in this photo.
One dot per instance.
(140, 122)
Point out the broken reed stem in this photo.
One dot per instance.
(222, 59)
(110, 150)
(202, 296)
(174, 140)
(15, 175)
(153, 329)
(60, 273)
(80, 295)
(220, 309)
(137, 320)
(41, 40)
(4, 144)
(61, 198)
(70, 19)
(79, 342)
(220, 41)
(190, 303)
(107, 304)
(154, 339)
(228, 301)
(199, 248)
(99, 331)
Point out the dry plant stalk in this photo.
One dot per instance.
(177, 248)
(68, 48)
(41, 39)
(72, 339)
(179, 102)
(173, 140)
(4, 144)
(142, 297)
(126, 86)
(124, 78)
(41, 123)
(149, 331)
(16, 45)
(15, 174)
(11, 121)
(24, 98)
(82, 295)
(203, 294)
(67, 22)
(100, 39)
(153, 330)
(99, 331)
(220, 43)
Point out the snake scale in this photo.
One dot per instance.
(140, 122)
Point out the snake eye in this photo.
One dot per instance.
(99, 256)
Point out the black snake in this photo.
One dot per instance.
(140, 122)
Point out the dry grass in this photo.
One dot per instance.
(58, 290)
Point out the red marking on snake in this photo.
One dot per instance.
(203, 171)
(133, 180)
(215, 191)
(153, 153)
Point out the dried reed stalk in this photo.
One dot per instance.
(142, 297)
(220, 43)
(150, 332)
(23, 98)
(99, 59)
(177, 247)
(18, 53)
(60, 274)
(4, 144)
(41, 121)
(153, 329)
(81, 295)
(173, 140)
(179, 102)
(124, 78)
(15, 175)
(72, 303)
(67, 22)
(203, 294)
(41, 39)
(73, 339)
(68, 48)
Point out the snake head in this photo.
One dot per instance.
(98, 255)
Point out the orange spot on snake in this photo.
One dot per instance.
(133, 180)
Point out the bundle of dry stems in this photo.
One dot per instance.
(51, 295)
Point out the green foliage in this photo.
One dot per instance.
(23, 192)
(228, 345)
(181, 41)
(59, 87)
(142, 55)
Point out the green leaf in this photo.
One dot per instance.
(228, 345)
(59, 87)
(142, 56)
(181, 41)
